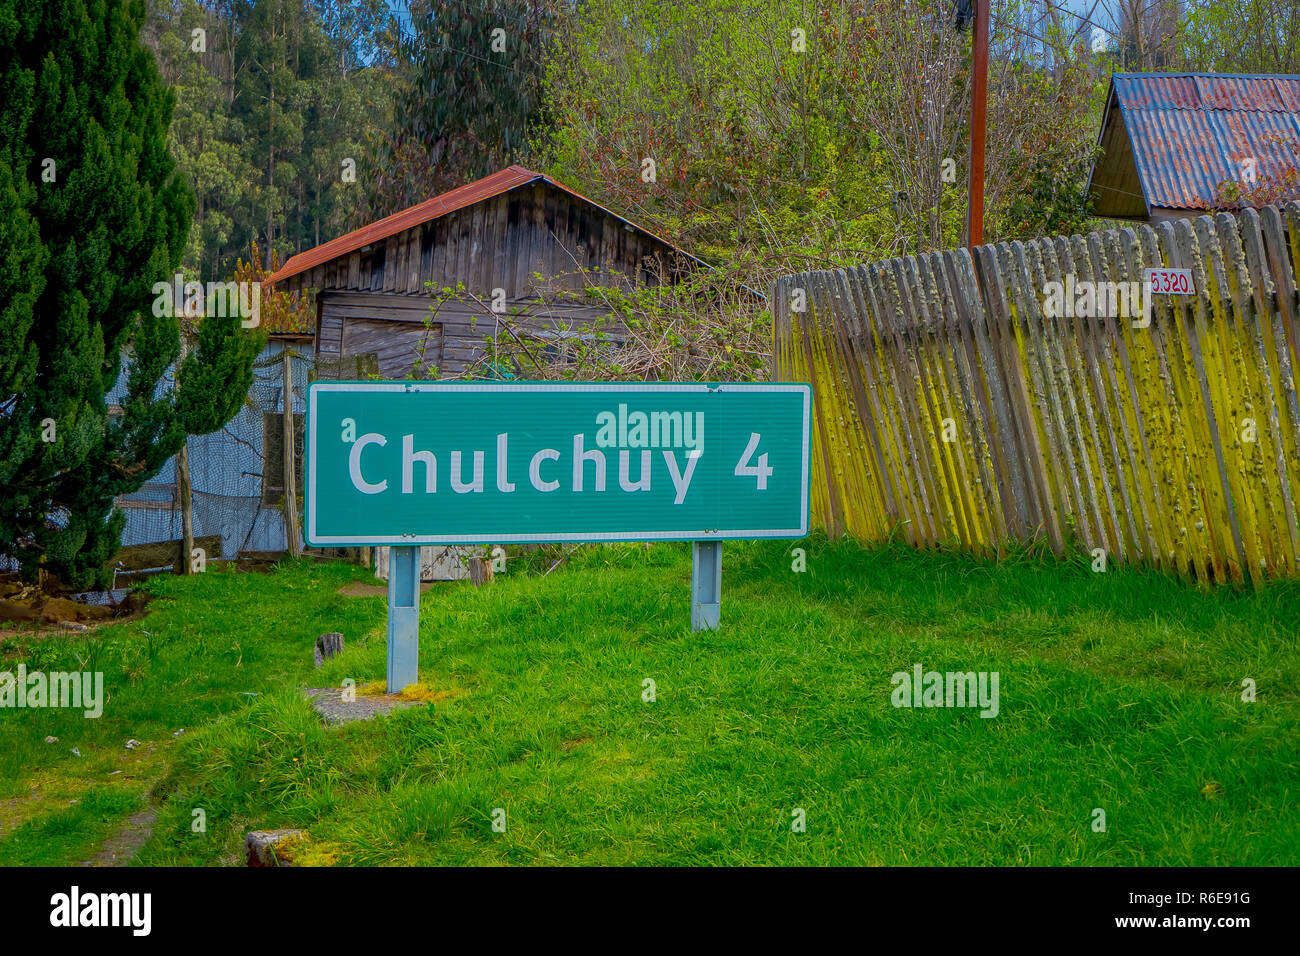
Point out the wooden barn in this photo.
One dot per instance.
(374, 286)
(1169, 139)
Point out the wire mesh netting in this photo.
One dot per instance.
(237, 472)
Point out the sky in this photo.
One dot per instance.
(1080, 8)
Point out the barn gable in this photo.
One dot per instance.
(1169, 139)
(501, 233)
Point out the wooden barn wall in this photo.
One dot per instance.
(951, 409)
(399, 348)
(496, 244)
(1115, 186)
(391, 326)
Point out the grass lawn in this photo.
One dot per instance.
(1118, 691)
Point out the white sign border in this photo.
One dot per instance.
(412, 540)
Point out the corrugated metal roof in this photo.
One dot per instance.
(1191, 131)
(489, 186)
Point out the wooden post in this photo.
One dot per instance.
(327, 646)
(183, 485)
(480, 571)
(290, 477)
(979, 112)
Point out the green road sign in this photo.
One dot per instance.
(409, 463)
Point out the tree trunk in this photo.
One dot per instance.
(183, 485)
(270, 176)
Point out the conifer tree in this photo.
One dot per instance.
(470, 92)
(92, 215)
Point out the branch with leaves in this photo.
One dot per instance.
(705, 328)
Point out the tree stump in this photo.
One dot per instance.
(480, 571)
(327, 645)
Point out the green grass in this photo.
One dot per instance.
(210, 645)
(1119, 691)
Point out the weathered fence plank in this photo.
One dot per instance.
(953, 404)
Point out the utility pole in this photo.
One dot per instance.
(979, 112)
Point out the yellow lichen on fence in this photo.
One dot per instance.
(954, 407)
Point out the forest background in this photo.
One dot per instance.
(783, 136)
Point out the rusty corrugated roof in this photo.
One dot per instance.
(1188, 132)
(489, 186)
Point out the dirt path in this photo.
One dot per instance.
(144, 769)
(120, 848)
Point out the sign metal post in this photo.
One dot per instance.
(403, 618)
(706, 585)
(406, 464)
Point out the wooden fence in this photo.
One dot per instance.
(952, 409)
